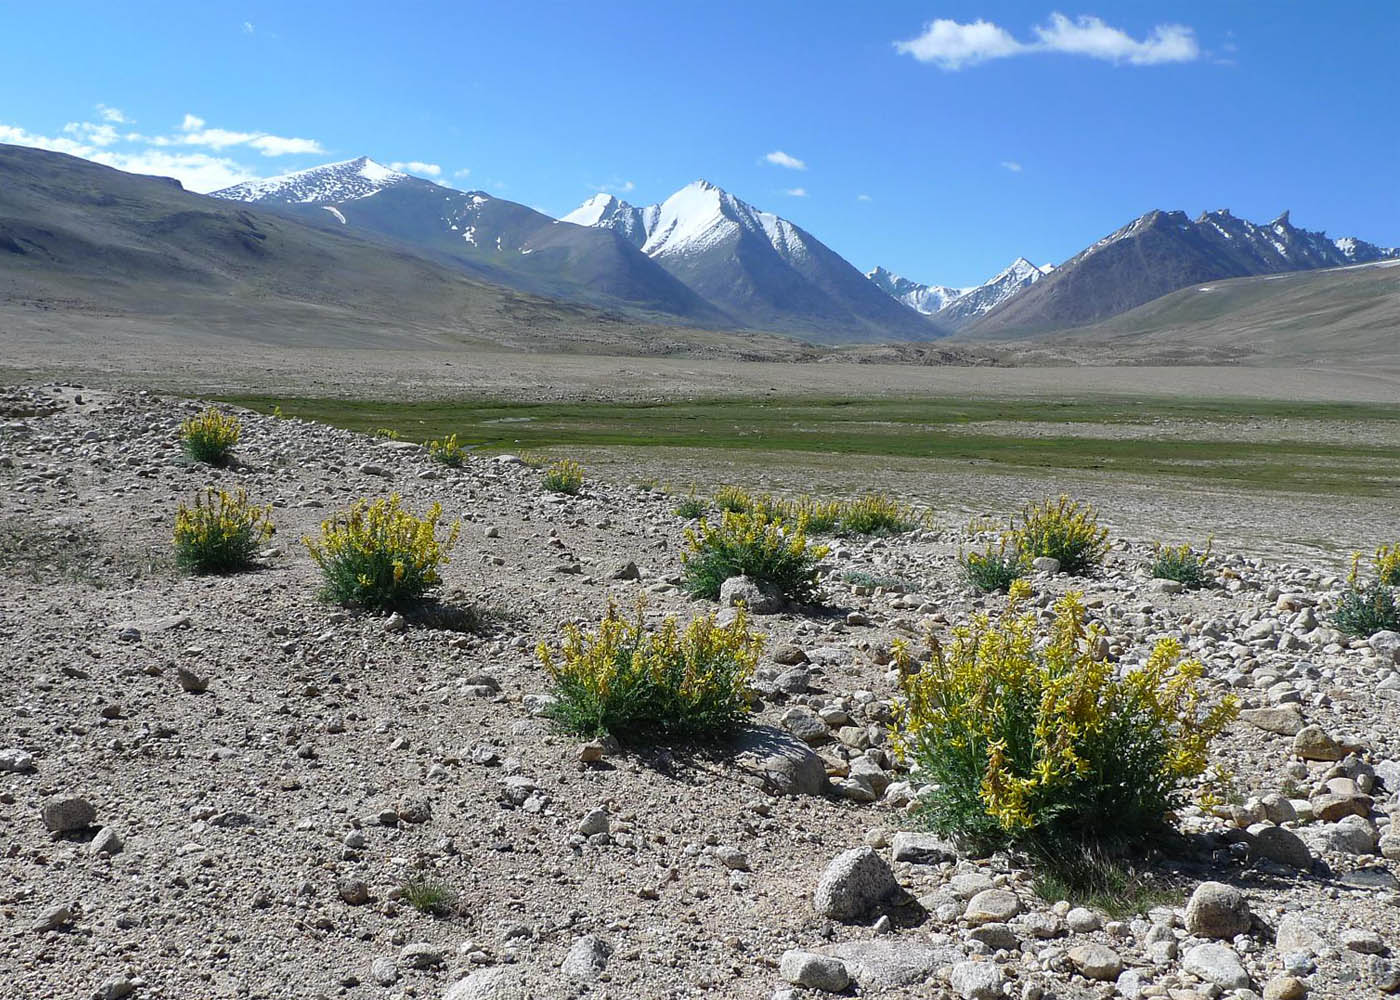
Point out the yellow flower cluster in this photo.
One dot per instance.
(447, 450)
(564, 476)
(1037, 727)
(377, 553)
(1387, 563)
(210, 437)
(873, 513)
(220, 532)
(623, 678)
(1063, 529)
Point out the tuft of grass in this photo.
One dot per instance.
(387, 433)
(733, 500)
(210, 437)
(429, 895)
(379, 555)
(995, 568)
(564, 476)
(1181, 563)
(691, 507)
(635, 684)
(220, 532)
(750, 545)
(1086, 875)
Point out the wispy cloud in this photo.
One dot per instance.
(952, 45)
(417, 167)
(615, 186)
(1011, 165)
(780, 159)
(249, 27)
(464, 172)
(863, 197)
(796, 192)
(198, 156)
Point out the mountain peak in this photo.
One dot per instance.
(330, 183)
(1282, 220)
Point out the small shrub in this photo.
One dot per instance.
(1028, 741)
(210, 437)
(429, 895)
(1063, 529)
(378, 555)
(220, 533)
(1365, 609)
(564, 476)
(876, 514)
(820, 516)
(1387, 563)
(1182, 564)
(633, 683)
(733, 499)
(751, 545)
(1087, 875)
(387, 433)
(447, 451)
(995, 568)
(534, 460)
(691, 507)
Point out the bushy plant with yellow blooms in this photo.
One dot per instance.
(1181, 563)
(564, 476)
(751, 545)
(1028, 740)
(995, 567)
(1063, 529)
(378, 555)
(873, 514)
(1387, 565)
(876, 514)
(220, 532)
(635, 683)
(447, 450)
(210, 437)
(1366, 608)
(733, 499)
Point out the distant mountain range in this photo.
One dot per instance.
(359, 238)
(954, 308)
(1159, 253)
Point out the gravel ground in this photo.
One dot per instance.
(253, 839)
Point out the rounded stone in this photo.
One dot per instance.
(1217, 910)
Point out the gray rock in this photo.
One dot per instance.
(783, 763)
(921, 848)
(977, 980)
(806, 725)
(502, 983)
(1353, 835)
(587, 958)
(116, 988)
(759, 597)
(815, 972)
(353, 890)
(998, 937)
(1280, 845)
(1298, 932)
(107, 841)
(1096, 961)
(52, 919)
(66, 815)
(1082, 921)
(1282, 720)
(1045, 564)
(1218, 964)
(625, 571)
(1367, 942)
(1386, 645)
(16, 761)
(885, 963)
(420, 955)
(384, 971)
(991, 906)
(191, 682)
(595, 821)
(855, 883)
(1217, 910)
(789, 655)
(1313, 743)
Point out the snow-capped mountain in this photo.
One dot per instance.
(954, 307)
(759, 268)
(1160, 252)
(926, 299)
(328, 184)
(493, 238)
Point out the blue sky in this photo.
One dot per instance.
(938, 139)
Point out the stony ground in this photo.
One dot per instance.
(221, 786)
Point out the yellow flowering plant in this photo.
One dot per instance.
(1387, 564)
(1181, 563)
(564, 476)
(220, 532)
(1063, 529)
(210, 437)
(377, 554)
(751, 545)
(447, 450)
(876, 514)
(1027, 739)
(635, 683)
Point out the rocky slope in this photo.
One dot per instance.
(218, 786)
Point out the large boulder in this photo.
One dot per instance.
(758, 596)
(855, 883)
(779, 761)
(1217, 910)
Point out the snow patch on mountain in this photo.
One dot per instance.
(954, 307)
(331, 184)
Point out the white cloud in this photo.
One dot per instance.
(99, 135)
(111, 114)
(191, 123)
(196, 171)
(1011, 165)
(249, 27)
(952, 45)
(615, 186)
(863, 197)
(276, 145)
(418, 167)
(17, 136)
(464, 172)
(796, 192)
(780, 159)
